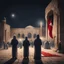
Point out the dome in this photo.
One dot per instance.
(31, 27)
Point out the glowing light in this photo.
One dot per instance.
(43, 38)
(20, 39)
(41, 23)
(13, 15)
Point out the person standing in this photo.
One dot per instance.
(26, 45)
(59, 48)
(4, 45)
(37, 44)
(14, 44)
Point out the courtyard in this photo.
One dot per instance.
(6, 55)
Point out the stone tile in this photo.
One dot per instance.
(5, 55)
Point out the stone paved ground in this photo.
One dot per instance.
(5, 55)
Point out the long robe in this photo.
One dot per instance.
(14, 43)
(37, 53)
(26, 48)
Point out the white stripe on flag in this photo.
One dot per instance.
(42, 55)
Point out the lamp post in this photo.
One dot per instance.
(41, 24)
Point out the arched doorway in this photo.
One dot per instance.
(35, 35)
(29, 35)
(54, 14)
(18, 35)
(50, 28)
(23, 36)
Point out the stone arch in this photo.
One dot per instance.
(18, 35)
(35, 35)
(53, 9)
(49, 13)
(23, 35)
(29, 35)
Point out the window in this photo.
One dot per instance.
(18, 35)
(34, 35)
(29, 35)
(22, 35)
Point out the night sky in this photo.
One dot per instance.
(27, 12)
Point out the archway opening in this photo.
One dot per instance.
(50, 24)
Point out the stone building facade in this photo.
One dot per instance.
(56, 8)
(7, 33)
(52, 9)
(4, 31)
(61, 9)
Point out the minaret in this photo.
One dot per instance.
(3, 24)
(40, 29)
(4, 20)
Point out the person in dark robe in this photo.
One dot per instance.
(14, 44)
(47, 45)
(26, 45)
(59, 47)
(4, 45)
(37, 44)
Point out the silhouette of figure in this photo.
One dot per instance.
(59, 47)
(42, 43)
(10, 61)
(4, 44)
(26, 45)
(14, 44)
(37, 44)
(7, 45)
(47, 45)
(52, 44)
(38, 62)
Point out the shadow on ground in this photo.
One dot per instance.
(25, 61)
(11, 61)
(38, 62)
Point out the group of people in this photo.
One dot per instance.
(26, 44)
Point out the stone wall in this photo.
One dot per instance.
(25, 31)
(1, 32)
(6, 32)
(53, 6)
(61, 8)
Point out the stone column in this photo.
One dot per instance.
(3, 23)
(40, 29)
(46, 25)
(32, 36)
(58, 29)
(55, 27)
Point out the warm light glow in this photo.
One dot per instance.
(41, 23)
(42, 38)
(20, 39)
(10, 40)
